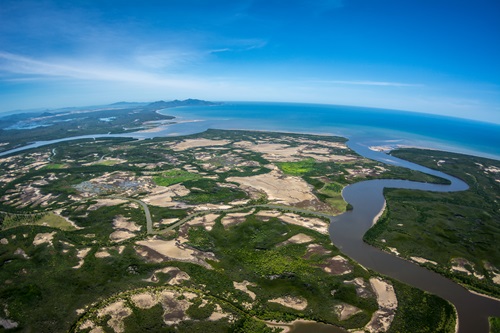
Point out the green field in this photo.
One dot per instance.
(172, 177)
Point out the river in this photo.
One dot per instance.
(347, 230)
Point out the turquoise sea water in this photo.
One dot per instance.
(372, 127)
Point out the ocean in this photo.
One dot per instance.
(371, 127)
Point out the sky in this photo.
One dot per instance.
(432, 56)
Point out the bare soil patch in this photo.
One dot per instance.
(124, 229)
(82, 253)
(207, 221)
(42, 238)
(243, 286)
(387, 302)
(158, 250)
(235, 218)
(117, 311)
(278, 187)
(312, 223)
(297, 239)
(337, 265)
(161, 196)
(196, 143)
(297, 303)
(345, 311)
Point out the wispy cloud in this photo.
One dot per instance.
(80, 70)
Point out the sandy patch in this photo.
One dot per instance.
(387, 302)
(268, 213)
(196, 143)
(393, 250)
(243, 286)
(118, 311)
(345, 311)
(144, 300)
(167, 248)
(297, 303)
(218, 314)
(423, 260)
(20, 252)
(312, 223)
(207, 221)
(175, 308)
(211, 207)
(235, 218)
(120, 235)
(337, 265)
(279, 188)
(158, 250)
(82, 253)
(102, 253)
(315, 249)
(493, 272)
(106, 203)
(177, 276)
(458, 265)
(44, 238)
(273, 151)
(8, 324)
(361, 285)
(161, 196)
(124, 229)
(298, 239)
(121, 222)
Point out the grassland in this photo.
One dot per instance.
(494, 325)
(171, 177)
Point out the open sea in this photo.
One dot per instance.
(368, 126)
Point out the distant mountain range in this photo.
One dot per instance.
(187, 102)
(17, 115)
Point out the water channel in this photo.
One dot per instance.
(347, 230)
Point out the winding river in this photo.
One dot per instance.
(347, 230)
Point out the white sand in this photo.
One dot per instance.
(278, 187)
(44, 238)
(195, 143)
(297, 303)
(243, 286)
(82, 253)
(423, 260)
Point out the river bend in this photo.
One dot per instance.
(367, 199)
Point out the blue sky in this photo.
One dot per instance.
(431, 56)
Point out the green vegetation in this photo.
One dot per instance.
(54, 166)
(494, 324)
(207, 191)
(412, 314)
(444, 226)
(174, 176)
(250, 249)
(297, 168)
(44, 219)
